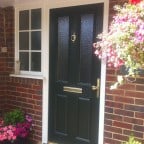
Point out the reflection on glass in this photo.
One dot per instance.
(36, 19)
(24, 61)
(36, 61)
(36, 40)
(23, 40)
(24, 20)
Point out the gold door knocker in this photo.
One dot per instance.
(73, 37)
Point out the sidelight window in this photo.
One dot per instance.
(29, 37)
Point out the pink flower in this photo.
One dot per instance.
(123, 44)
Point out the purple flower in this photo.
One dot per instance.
(11, 132)
(28, 118)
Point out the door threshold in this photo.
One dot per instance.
(57, 142)
(52, 142)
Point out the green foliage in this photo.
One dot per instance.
(13, 117)
(132, 140)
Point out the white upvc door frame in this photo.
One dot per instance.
(60, 4)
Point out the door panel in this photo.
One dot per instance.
(87, 26)
(74, 48)
(63, 44)
(61, 115)
(74, 106)
(84, 111)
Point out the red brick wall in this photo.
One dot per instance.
(18, 92)
(27, 94)
(124, 110)
(3, 65)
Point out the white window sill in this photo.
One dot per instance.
(27, 76)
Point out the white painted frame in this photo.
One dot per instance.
(46, 5)
(59, 4)
(25, 74)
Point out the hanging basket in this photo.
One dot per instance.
(123, 44)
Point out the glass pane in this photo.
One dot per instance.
(24, 61)
(24, 20)
(36, 61)
(23, 40)
(36, 40)
(36, 19)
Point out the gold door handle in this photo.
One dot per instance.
(96, 88)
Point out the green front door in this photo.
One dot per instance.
(74, 69)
